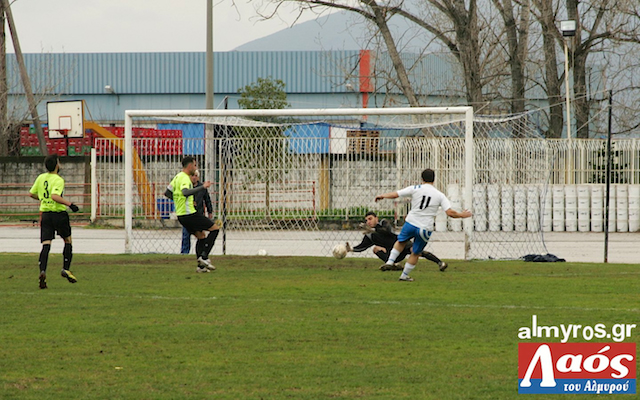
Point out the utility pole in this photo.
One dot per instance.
(608, 181)
(211, 147)
(209, 54)
(33, 106)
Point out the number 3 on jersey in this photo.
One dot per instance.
(422, 203)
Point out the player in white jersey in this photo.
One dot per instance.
(419, 224)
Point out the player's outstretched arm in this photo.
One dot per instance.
(188, 192)
(34, 196)
(365, 244)
(390, 195)
(455, 214)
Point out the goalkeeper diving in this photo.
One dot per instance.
(378, 233)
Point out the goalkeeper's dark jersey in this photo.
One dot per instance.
(382, 236)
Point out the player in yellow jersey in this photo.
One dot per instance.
(181, 190)
(48, 189)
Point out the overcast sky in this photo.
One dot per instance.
(90, 26)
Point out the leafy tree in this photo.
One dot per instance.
(265, 93)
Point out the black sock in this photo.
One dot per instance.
(44, 257)
(209, 241)
(199, 247)
(67, 253)
(382, 255)
(431, 257)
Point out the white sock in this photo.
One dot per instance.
(407, 270)
(392, 257)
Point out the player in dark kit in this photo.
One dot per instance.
(380, 235)
(49, 188)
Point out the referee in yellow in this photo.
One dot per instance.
(48, 189)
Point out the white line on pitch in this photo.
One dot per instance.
(116, 296)
(372, 302)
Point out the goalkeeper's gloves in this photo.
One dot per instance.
(73, 207)
(365, 228)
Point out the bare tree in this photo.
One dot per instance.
(26, 83)
(14, 114)
(377, 14)
(516, 26)
(50, 78)
(546, 16)
(457, 25)
(491, 40)
(602, 25)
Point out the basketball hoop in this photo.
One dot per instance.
(65, 119)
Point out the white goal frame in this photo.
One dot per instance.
(465, 112)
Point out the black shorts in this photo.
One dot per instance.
(52, 222)
(385, 256)
(195, 222)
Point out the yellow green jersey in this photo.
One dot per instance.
(184, 205)
(48, 184)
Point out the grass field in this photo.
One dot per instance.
(149, 327)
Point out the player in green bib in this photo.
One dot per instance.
(181, 191)
(49, 189)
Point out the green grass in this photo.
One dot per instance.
(149, 327)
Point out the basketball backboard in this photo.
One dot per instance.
(65, 119)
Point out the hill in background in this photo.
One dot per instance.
(337, 31)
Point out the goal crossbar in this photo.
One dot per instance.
(463, 110)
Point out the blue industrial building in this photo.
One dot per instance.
(111, 83)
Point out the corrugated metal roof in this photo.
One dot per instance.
(304, 72)
(171, 73)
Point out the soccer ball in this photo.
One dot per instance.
(262, 252)
(339, 251)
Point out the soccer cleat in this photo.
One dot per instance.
(397, 267)
(442, 265)
(43, 280)
(386, 267)
(211, 267)
(201, 270)
(67, 274)
(205, 263)
(407, 279)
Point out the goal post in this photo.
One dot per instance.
(309, 175)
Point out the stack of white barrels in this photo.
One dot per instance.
(558, 208)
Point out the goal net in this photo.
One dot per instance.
(297, 182)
